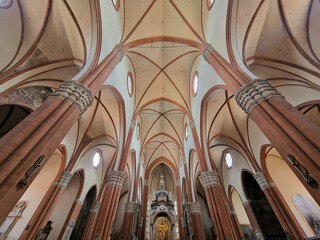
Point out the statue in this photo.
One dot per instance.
(162, 228)
(44, 233)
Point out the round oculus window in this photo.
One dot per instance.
(130, 84)
(228, 160)
(186, 132)
(210, 4)
(96, 160)
(138, 131)
(116, 4)
(195, 84)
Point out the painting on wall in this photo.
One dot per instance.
(309, 210)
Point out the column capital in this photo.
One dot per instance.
(77, 94)
(117, 48)
(96, 207)
(206, 51)
(116, 179)
(262, 180)
(64, 180)
(192, 124)
(253, 93)
(131, 207)
(183, 160)
(210, 179)
(193, 207)
(78, 201)
(141, 160)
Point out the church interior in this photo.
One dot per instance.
(159, 119)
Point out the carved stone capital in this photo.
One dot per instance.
(64, 180)
(210, 179)
(116, 179)
(131, 207)
(96, 207)
(262, 180)
(192, 124)
(76, 93)
(193, 207)
(253, 93)
(119, 52)
(178, 182)
(206, 52)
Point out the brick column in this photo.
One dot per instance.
(220, 215)
(109, 204)
(46, 206)
(142, 230)
(193, 209)
(235, 220)
(130, 211)
(182, 230)
(252, 218)
(91, 220)
(26, 148)
(289, 131)
(280, 208)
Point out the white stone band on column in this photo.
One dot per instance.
(140, 221)
(206, 52)
(253, 93)
(64, 180)
(146, 182)
(229, 209)
(119, 52)
(116, 179)
(76, 93)
(141, 161)
(246, 202)
(78, 201)
(210, 222)
(262, 180)
(183, 222)
(131, 207)
(183, 160)
(178, 183)
(192, 124)
(193, 207)
(132, 124)
(96, 207)
(210, 179)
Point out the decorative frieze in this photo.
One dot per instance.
(119, 52)
(96, 207)
(178, 183)
(116, 179)
(76, 93)
(64, 180)
(206, 52)
(193, 207)
(210, 179)
(192, 124)
(253, 93)
(262, 180)
(131, 207)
